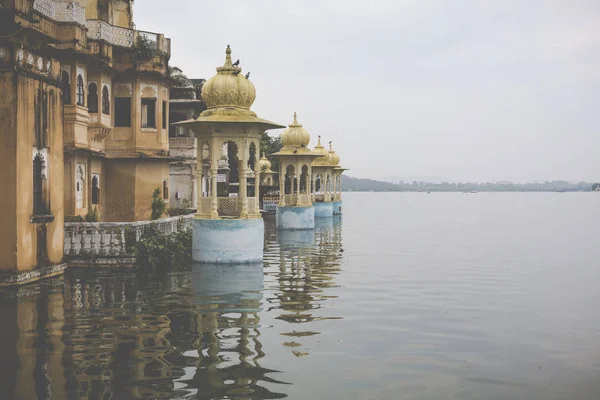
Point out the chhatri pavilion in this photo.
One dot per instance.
(327, 178)
(295, 209)
(228, 227)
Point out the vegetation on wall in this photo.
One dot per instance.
(155, 250)
(145, 49)
(158, 205)
(185, 209)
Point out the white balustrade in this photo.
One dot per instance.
(70, 11)
(46, 8)
(107, 239)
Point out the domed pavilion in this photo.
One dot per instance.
(322, 178)
(228, 227)
(295, 209)
(337, 171)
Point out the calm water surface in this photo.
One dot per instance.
(409, 296)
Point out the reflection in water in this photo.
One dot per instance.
(303, 273)
(193, 333)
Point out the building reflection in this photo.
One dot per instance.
(306, 268)
(96, 334)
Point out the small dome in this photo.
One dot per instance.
(229, 88)
(322, 161)
(264, 164)
(295, 135)
(334, 159)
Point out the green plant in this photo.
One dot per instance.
(92, 215)
(73, 218)
(158, 205)
(185, 209)
(155, 250)
(145, 49)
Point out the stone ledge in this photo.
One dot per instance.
(125, 261)
(8, 279)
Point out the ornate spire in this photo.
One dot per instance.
(330, 146)
(228, 66)
(295, 123)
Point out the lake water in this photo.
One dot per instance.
(408, 296)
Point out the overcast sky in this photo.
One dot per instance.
(459, 90)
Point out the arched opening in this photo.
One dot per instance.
(232, 153)
(80, 91)
(318, 183)
(165, 189)
(95, 190)
(252, 158)
(39, 208)
(304, 180)
(80, 179)
(105, 101)
(93, 98)
(66, 84)
(290, 174)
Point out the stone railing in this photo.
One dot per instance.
(319, 197)
(46, 8)
(290, 199)
(228, 206)
(118, 36)
(252, 206)
(305, 200)
(108, 238)
(70, 11)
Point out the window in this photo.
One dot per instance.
(95, 189)
(39, 207)
(66, 83)
(93, 98)
(164, 115)
(165, 189)
(105, 101)
(80, 91)
(148, 113)
(123, 112)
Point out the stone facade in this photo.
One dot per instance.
(84, 117)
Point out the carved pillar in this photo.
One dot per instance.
(282, 184)
(256, 188)
(242, 173)
(298, 179)
(214, 165)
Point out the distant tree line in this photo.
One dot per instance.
(367, 185)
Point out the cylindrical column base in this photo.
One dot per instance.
(323, 209)
(228, 241)
(295, 217)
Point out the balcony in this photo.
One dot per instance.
(123, 37)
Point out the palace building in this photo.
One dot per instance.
(84, 123)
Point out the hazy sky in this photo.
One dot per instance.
(461, 90)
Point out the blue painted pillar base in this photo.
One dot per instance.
(228, 241)
(295, 217)
(323, 209)
(337, 208)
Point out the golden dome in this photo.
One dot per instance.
(334, 159)
(295, 135)
(264, 164)
(229, 88)
(322, 161)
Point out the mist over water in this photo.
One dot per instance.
(408, 295)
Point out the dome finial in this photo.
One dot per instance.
(295, 118)
(228, 63)
(330, 146)
(319, 141)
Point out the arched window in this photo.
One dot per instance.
(105, 101)
(95, 190)
(165, 189)
(66, 84)
(93, 98)
(80, 91)
(39, 207)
